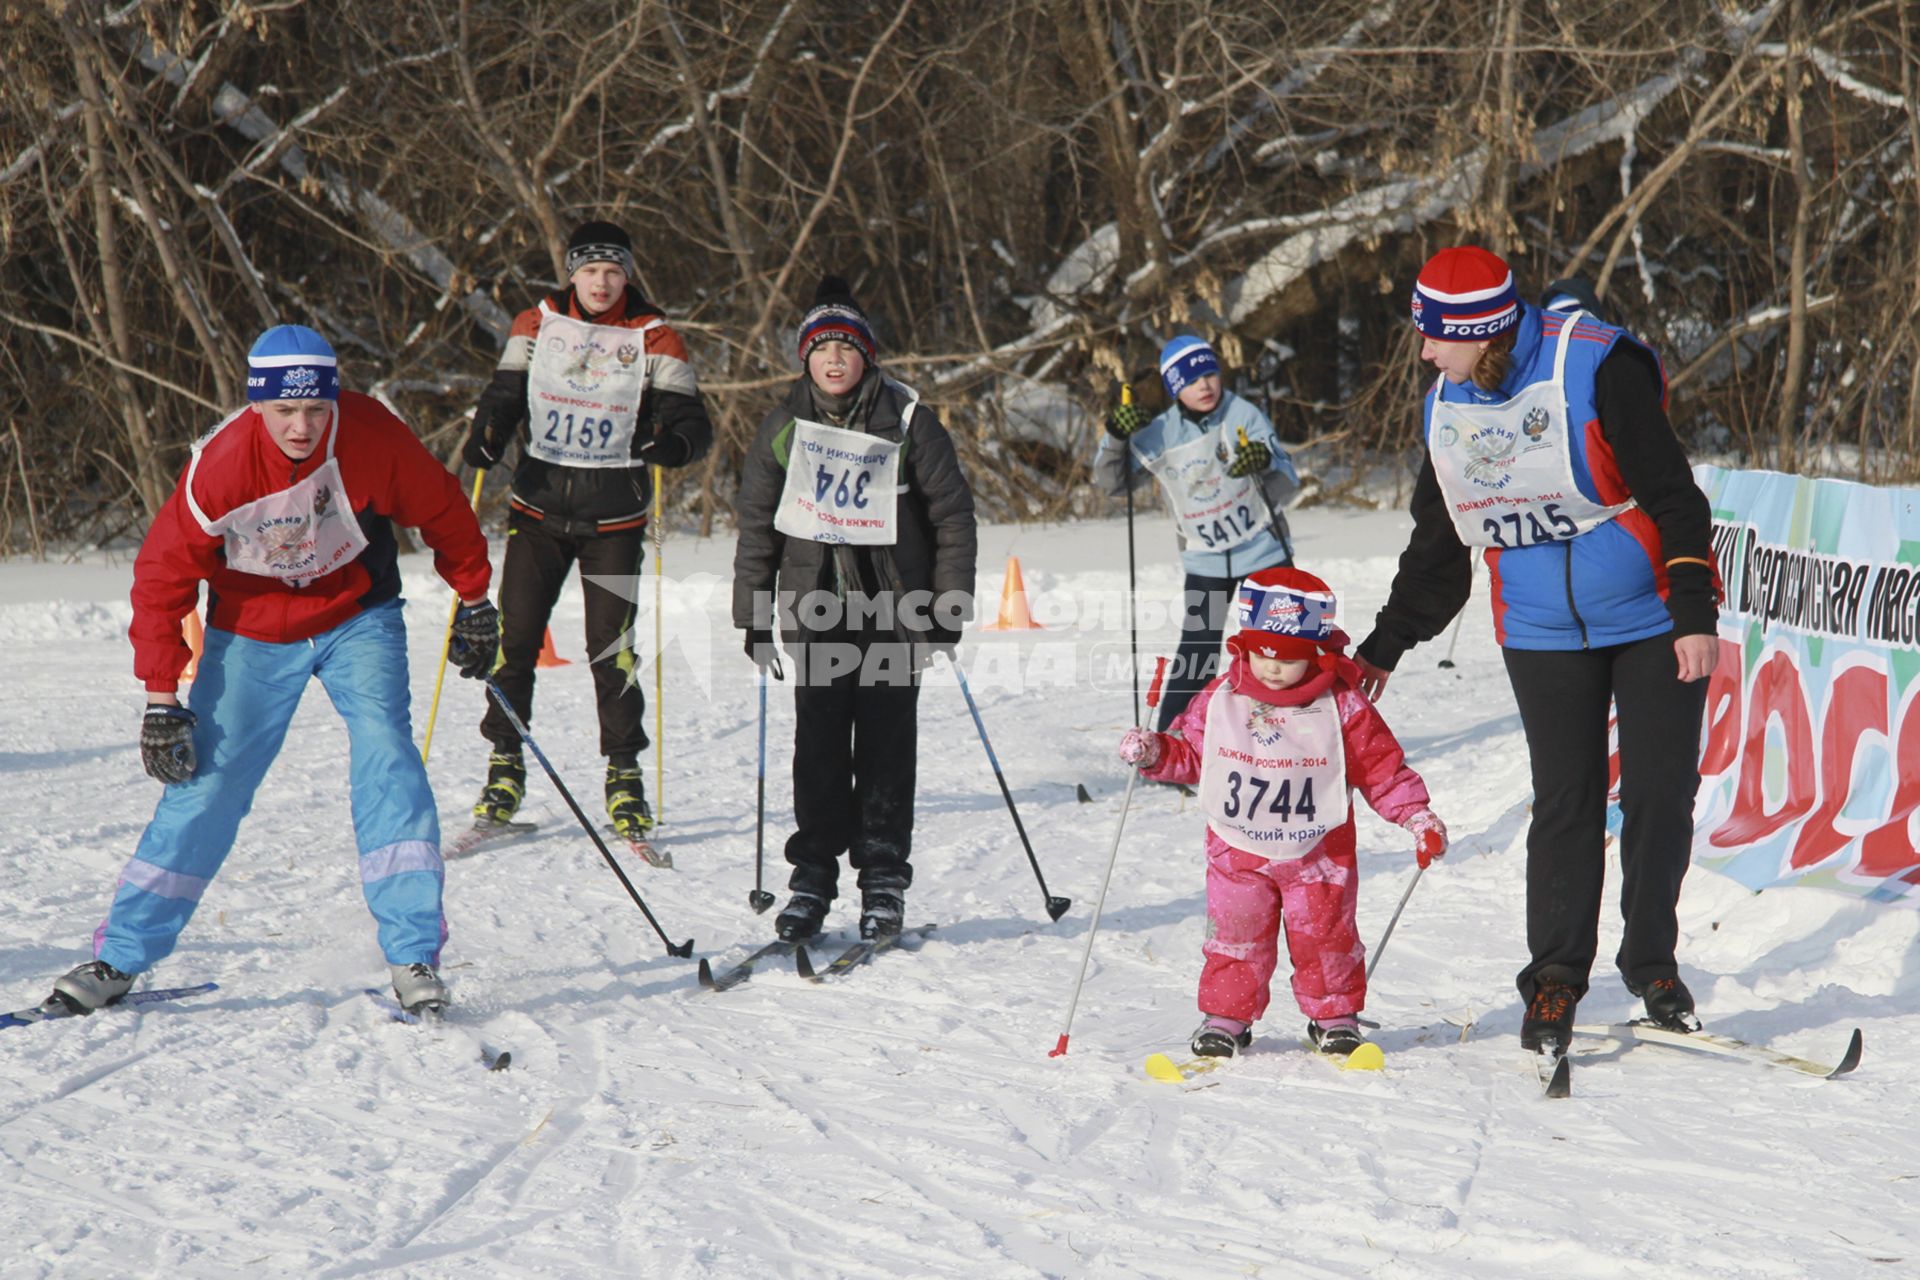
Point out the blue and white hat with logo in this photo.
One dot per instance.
(292, 362)
(1185, 360)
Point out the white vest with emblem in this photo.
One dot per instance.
(844, 486)
(584, 387)
(1506, 470)
(1273, 780)
(1214, 509)
(298, 534)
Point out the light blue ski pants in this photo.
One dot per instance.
(244, 694)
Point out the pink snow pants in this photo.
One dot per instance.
(1248, 898)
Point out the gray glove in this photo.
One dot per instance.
(166, 743)
(476, 639)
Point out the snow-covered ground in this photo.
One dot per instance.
(908, 1119)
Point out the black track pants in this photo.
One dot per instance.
(537, 564)
(1563, 697)
(855, 745)
(1207, 604)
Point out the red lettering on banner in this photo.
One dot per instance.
(1776, 691)
(1888, 849)
(1723, 713)
(1856, 705)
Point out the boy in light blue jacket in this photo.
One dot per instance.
(1226, 478)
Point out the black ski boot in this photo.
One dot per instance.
(627, 802)
(1211, 1040)
(882, 912)
(800, 919)
(1548, 1023)
(1335, 1042)
(1669, 1004)
(506, 787)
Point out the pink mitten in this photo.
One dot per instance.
(1429, 836)
(1140, 748)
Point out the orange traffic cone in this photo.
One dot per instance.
(548, 658)
(191, 632)
(1014, 614)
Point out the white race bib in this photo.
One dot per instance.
(584, 386)
(1506, 470)
(298, 534)
(842, 486)
(1215, 510)
(1273, 780)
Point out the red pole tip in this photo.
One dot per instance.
(1062, 1046)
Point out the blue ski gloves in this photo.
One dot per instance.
(166, 743)
(476, 639)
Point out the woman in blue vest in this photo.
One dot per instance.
(1548, 446)
(1225, 476)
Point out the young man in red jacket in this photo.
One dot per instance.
(286, 512)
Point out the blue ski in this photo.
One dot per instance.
(53, 1008)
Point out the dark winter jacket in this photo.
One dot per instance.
(672, 431)
(925, 579)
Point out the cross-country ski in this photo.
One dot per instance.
(54, 1008)
(1726, 1046)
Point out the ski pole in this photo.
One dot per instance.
(446, 644)
(1373, 958)
(659, 660)
(1274, 522)
(759, 899)
(1056, 907)
(1133, 625)
(1126, 802)
(1446, 663)
(519, 726)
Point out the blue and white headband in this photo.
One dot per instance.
(292, 362)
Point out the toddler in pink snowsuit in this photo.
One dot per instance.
(1277, 744)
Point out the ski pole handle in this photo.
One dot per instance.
(1159, 678)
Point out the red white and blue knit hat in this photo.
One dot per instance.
(292, 362)
(835, 317)
(1285, 613)
(1465, 294)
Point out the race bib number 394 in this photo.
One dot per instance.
(841, 487)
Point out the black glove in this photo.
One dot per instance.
(474, 451)
(758, 643)
(941, 640)
(166, 743)
(1124, 420)
(476, 639)
(667, 451)
(1250, 459)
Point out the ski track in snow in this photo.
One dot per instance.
(904, 1119)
